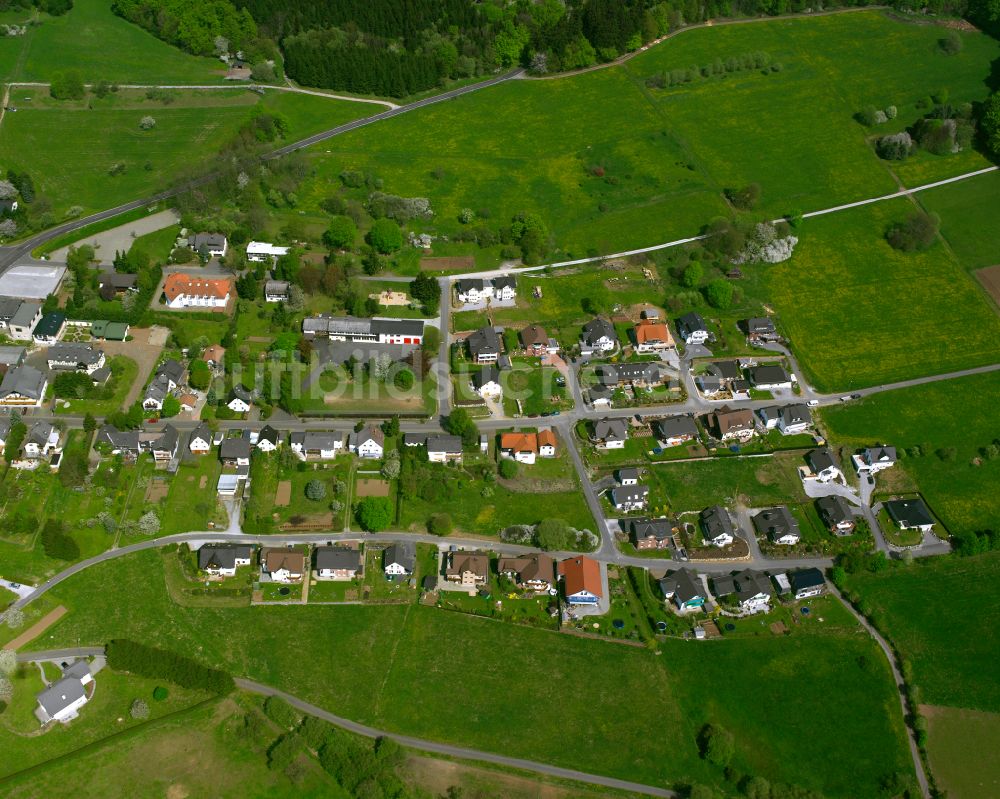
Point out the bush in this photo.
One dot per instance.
(746, 198)
(508, 468)
(160, 693)
(139, 709)
(716, 745)
(147, 123)
(554, 534)
(951, 43)
(67, 85)
(315, 490)
(374, 514)
(719, 293)
(341, 233)
(281, 713)
(896, 147)
(917, 232)
(439, 524)
(403, 380)
(283, 751)
(56, 543)
(385, 236)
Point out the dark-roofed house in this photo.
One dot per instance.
(708, 384)
(114, 283)
(118, 442)
(692, 329)
(50, 328)
(484, 345)
(647, 373)
(444, 449)
(25, 319)
(611, 433)
(400, 559)
(62, 700)
(823, 465)
(109, 331)
(684, 589)
(76, 357)
(504, 287)
(486, 382)
(717, 527)
(836, 513)
(235, 451)
(42, 438)
(222, 560)
(794, 419)
(473, 290)
(276, 290)
(162, 446)
(316, 445)
(534, 339)
(599, 337)
(910, 514)
(627, 476)
(778, 524)
(874, 459)
(675, 430)
(11, 356)
(23, 386)
(337, 563)
(730, 424)
(752, 589)
(239, 400)
(269, 439)
(173, 371)
(534, 572)
(770, 377)
(469, 569)
(806, 583)
(760, 329)
(600, 396)
(652, 533)
(629, 498)
(213, 244)
(369, 443)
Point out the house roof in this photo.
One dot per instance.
(728, 370)
(683, 585)
(760, 324)
(112, 331)
(504, 281)
(834, 509)
(805, 578)
(25, 381)
(222, 556)
(39, 433)
(581, 574)
(69, 352)
(158, 389)
(319, 441)
(821, 459)
(371, 433)
(180, 283)
(118, 280)
(534, 335)
(876, 454)
(476, 562)
(8, 307)
(276, 288)
(519, 442)
(909, 512)
(653, 332)
(78, 669)
(533, 566)
(241, 393)
(483, 341)
(31, 282)
(611, 428)
(729, 420)
(338, 558)
(689, 323)
(447, 444)
(127, 440)
(202, 431)
(214, 353)
(777, 521)
(60, 695)
(171, 368)
(622, 494)
(288, 559)
(796, 414)
(50, 325)
(235, 448)
(486, 375)
(465, 285)
(750, 583)
(547, 438)
(716, 522)
(25, 314)
(652, 528)
(769, 373)
(268, 433)
(402, 553)
(597, 329)
(627, 473)
(676, 426)
(214, 241)
(167, 442)
(11, 356)
(614, 373)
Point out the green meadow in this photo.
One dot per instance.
(956, 742)
(860, 313)
(958, 413)
(970, 212)
(633, 714)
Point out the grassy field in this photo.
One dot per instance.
(860, 313)
(123, 374)
(956, 740)
(666, 155)
(961, 492)
(967, 209)
(629, 691)
(695, 485)
(951, 644)
(46, 139)
(192, 500)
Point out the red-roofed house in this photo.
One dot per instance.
(652, 337)
(183, 291)
(581, 578)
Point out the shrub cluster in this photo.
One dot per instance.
(719, 67)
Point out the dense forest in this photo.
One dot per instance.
(399, 47)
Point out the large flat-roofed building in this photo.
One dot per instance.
(31, 282)
(368, 331)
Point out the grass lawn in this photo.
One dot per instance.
(123, 374)
(45, 139)
(956, 740)
(758, 482)
(266, 481)
(630, 691)
(860, 313)
(159, 244)
(334, 392)
(961, 492)
(192, 501)
(950, 644)
(535, 387)
(967, 209)
(105, 714)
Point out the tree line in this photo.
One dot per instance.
(149, 661)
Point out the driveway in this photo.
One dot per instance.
(21, 590)
(815, 489)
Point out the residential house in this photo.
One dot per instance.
(132, 443)
(276, 290)
(369, 443)
(283, 565)
(837, 514)
(239, 400)
(181, 290)
(484, 345)
(173, 371)
(24, 320)
(214, 245)
(525, 447)
(23, 387)
(760, 329)
(629, 498)
(598, 338)
(162, 446)
(486, 382)
(646, 373)
(119, 442)
(200, 442)
(232, 481)
(770, 377)
(611, 433)
(675, 430)
(213, 356)
(652, 337)
(77, 357)
(222, 560)
(50, 328)
(468, 569)
(444, 449)
(41, 439)
(709, 385)
(504, 288)
(739, 389)
(910, 514)
(8, 307)
(692, 329)
(156, 392)
(364, 331)
(400, 559)
(114, 284)
(684, 589)
(534, 339)
(650, 313)
(473, 290)
(652, 533)
(62, 700)
(547, 443)
(11, 356)
(778, 524)
(752, 589)
(262, 251)
(316, 446)
(582, 582)
(734, 424)
(794, 419)
(627, 476)
(337, 563)
(269, 439)
(235, 451)
(873, 460)
(717, 528)
(824, 465)
(807, 583)
(600, 396)
(533, 572)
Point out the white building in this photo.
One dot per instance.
(259, 251)
(62, 700)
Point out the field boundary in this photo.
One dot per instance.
(37, 628)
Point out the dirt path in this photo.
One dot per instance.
(37, 628)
